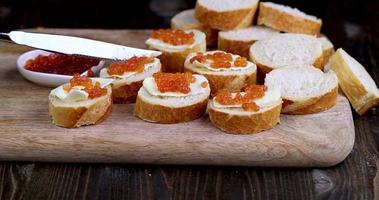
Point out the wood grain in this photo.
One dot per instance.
(27, 134)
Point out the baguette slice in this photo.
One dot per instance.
(239, 41)
(186, 20)
(355, 82)
(76, 114)
(287, 19)
(304, 89)
(327, 49)
(238, 121)
(226, 14)
(227, 79)
(173, 57)
(171, 109)
(286, 49)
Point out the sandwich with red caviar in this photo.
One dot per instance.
(255, 109)
(224, 71)
(172, 98)
(82, 101)
(128, 76)
(175, 45)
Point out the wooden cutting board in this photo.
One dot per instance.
(27, 134)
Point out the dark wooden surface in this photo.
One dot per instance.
(356, 178)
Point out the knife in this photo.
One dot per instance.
(75, 45)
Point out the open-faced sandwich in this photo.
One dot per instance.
(172, 98)
(255, 109)
(175, 45)
(128, 76)
(224, 71)
(82, 101)
(304, 89)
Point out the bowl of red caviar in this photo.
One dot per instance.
(52, 69)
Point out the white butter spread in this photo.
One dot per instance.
(77, 93)
(199, 37)
(270, 98)
(151, 87)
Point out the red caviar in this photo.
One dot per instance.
(60, 64)
(174, 82)
(133, 64)
(174, 37)
(93, 90)
(219, 60)
(251, 92)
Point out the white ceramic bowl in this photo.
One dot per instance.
(46, 79)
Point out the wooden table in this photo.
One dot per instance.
(355, 178)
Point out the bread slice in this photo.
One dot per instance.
(226, 14)
(229, 80)
(355, 82)
(239, 41)
(304, 89)
(286, 49)
(170, 109)
(76, 114)
(239, 121)
(186, 20)
(327, 49)
(287, 19)
(173, 57)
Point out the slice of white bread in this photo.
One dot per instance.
(186, 20)
(287, 19)
(235, 120)
(355, 81)
(230, 80)
(327, 48)
(304, 89)
(170, 109)
(239, 41)
(173, 57)
(286, 49)
(226, 14)
(76, 114)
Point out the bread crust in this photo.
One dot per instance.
(71, 117)
(245, 124)
(313, 105)
(360, 98)
(173, 62)
(241, 48)
(227, 20)
(282, 21)
(168, 115)
(231, 83)
(126, 93)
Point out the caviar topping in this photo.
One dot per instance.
(174, 82)
(245, 99)
(219, 60)
(174, 37)
(134, 64)
(60, 64)
(93, 89)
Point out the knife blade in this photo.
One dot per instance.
(76, 46)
